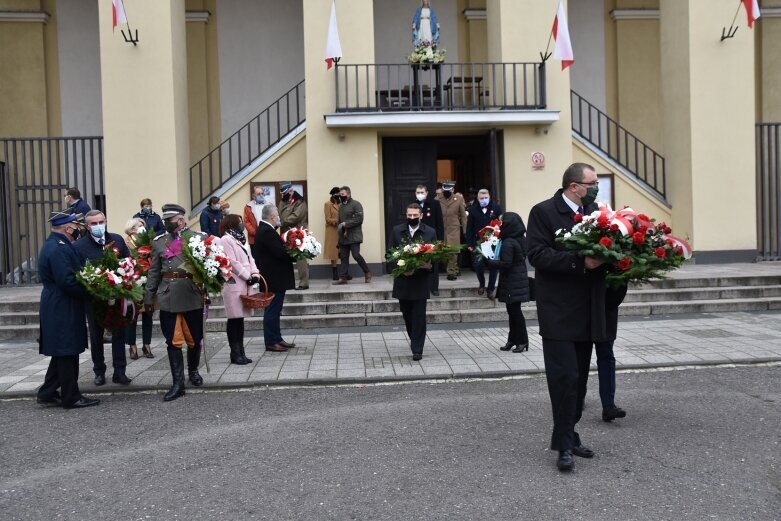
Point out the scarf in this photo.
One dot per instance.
(238, 236)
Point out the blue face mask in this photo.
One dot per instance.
(98, 230)
(484, 202)
(260, 199)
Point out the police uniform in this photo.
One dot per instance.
(180, 302)
(63, 329)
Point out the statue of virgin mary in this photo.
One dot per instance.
(425, 27)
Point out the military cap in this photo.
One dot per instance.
(285, 187)
(60, 218)
(172, 210)
(448, 186)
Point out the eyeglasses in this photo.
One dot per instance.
(595, 183)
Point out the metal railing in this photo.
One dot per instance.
(618, 144)
(444, 86)
(768, 149)
(247, 144)
(35, 172)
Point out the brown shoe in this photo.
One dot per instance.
(277, 348)
(481, 291)
(289, 345)
(368, 275)
(340, 281)
(133, 352)
(147, 350)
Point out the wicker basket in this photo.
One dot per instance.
(258, 300)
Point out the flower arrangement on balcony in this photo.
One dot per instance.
(426, 53)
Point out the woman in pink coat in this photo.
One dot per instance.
(245, 273)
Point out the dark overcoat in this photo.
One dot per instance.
(89, 249)
(613, 299)
(351, 214)
(272, 258)
(415, 286)
(478, 220)
(210, 221)
(153, 221)
(570, 298)
(513, 279)
(431, 216)
(62, 308)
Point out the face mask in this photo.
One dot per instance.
(286, 197)
(216, 206)
(336, 199)
(98, 230)
(241, 227)
(484, 202)
(140, 230)
(344, 198)
(412, 223)
(420, 197)
(260, 199)
(446, 194)
(171, 227)
(72, 234)
(590, 197)
(146, 210)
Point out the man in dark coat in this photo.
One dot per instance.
(350, 232)
(431, 216)
(482, 212)
(211, 217)
(276, 266)
(412, 288)
(570, 292)
(63, 334)
(152, 220)
(76, 205)
(91, 248)
(606, 361)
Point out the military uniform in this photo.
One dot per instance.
(180, 303)
(294, 213)
(454, 217)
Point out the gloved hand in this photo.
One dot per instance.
(253, 280)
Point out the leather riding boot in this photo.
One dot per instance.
(243, 354)
(176, 360)
(193, 359)
(236, 357)
(335, 273)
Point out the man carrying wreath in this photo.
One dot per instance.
(412, 288)
(179, 299)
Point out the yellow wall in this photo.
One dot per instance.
(769, 65)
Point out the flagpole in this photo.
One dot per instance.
(547, 53)
(725, 34)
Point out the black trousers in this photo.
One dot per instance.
(235, 330)
(193, 319)
(414, 313)
(63, 373)
(566, 369)
(118, 359)
(518, 334)
(345, 250)
(434, 277)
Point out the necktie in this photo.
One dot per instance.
(580, 209)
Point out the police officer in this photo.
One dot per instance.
(180, 301)
(63, 334)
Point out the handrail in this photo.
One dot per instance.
(248, 143)
(619, 144)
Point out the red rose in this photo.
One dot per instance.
(638, 238)
(642, 229)
(578, 217)
(606, 242)
(643, 217)
(679, 250)
(602, 221)
(613, 227)
(624, 263)
(667, 229)
(660, 252)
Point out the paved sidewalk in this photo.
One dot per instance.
(371, 355)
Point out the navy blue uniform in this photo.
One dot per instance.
(152, 222)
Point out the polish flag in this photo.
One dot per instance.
(118, 12)
(752, 11)
(563, 47)
(333, 48)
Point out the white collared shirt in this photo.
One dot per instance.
(569, 202)
(413, 230)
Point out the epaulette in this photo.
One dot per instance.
(158, 236)
(60, 241)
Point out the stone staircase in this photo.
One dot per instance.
(358, 305)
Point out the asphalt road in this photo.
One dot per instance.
(697, 444)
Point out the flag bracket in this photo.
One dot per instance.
(545, 56)
(728, 33)
(131, 36)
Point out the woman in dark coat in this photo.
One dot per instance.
(513, 288)
(606, 361)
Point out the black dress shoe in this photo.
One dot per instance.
(566, 462)
(507, 346)
(83, 402)
(520, 348)
(611, 413)
(100, 379)
(582, 452)
(302, 287)
(417, 356)
(121, 379)
(451, 277)
(54, 400)
(289, 345)
(435, 293)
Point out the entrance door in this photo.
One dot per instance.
(406, 163)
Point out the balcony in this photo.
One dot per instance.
(440, 95)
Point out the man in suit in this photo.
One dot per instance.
(180, 300)
(276, 266)
(431, 216)
(570, 292)
(293, 213)
(63, 334)
(412, 288)
(91, 248)
(482, 212)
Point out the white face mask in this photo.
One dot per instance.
(141, 230)
(421, 197)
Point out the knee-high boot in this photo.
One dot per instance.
(176, 360)
(193, 359)
(335, 272)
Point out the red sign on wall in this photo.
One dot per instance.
(538, 161)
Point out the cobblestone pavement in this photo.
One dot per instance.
(460, 351)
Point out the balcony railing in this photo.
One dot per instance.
(436, 87)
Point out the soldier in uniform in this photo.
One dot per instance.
(294, 214)
(454, 217)
(180, 301)
(63, 315)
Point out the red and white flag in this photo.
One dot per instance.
(752, 11)
(118, 12)
(333, 48)
(563, 47)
